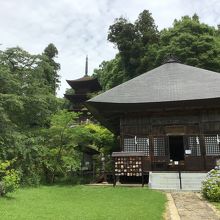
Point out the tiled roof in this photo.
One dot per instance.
(169, 82)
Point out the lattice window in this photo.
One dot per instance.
(194, 145)
(141, 145)
(129, 144)
(211, 145)
(160, 148)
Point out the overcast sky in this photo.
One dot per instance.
(80, 27)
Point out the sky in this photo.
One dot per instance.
(80, 27)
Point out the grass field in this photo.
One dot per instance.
(83, 202)
(217, 205)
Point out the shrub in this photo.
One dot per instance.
(211, 185)
(30, 179)
(9, 178)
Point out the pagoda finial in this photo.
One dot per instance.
(170, 58)
(86, 67)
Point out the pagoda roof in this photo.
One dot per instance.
(169, 82)
(76, 98)
(85, 81)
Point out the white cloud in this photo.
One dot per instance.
(79, 27)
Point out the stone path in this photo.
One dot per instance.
(190, 206)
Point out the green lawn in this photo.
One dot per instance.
(217, 205)
(83, 202)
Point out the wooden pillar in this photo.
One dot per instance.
(142, 171)
(202, 149)
(114, 176)
(151, 150)
(121, 140)
(202, 142)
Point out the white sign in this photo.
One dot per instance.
(188, 152)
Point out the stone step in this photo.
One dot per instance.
(171, 181)
(192, 181)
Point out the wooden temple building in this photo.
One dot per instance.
(167, 119)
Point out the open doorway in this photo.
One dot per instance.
(176, 147)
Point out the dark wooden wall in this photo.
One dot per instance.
(187, 122)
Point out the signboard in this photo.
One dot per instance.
(188, 152)
(175, 130)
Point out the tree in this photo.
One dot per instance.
(60, 140)
(25, 96)
(146, 28)
(137, 45)
(51, 67)
(110, 73)
(193, 42)
(142, 48)
(97, 136)
(26, 105)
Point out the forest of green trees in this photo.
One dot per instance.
(39, 136)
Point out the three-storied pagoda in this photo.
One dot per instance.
(82, 87)
(166, 118)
